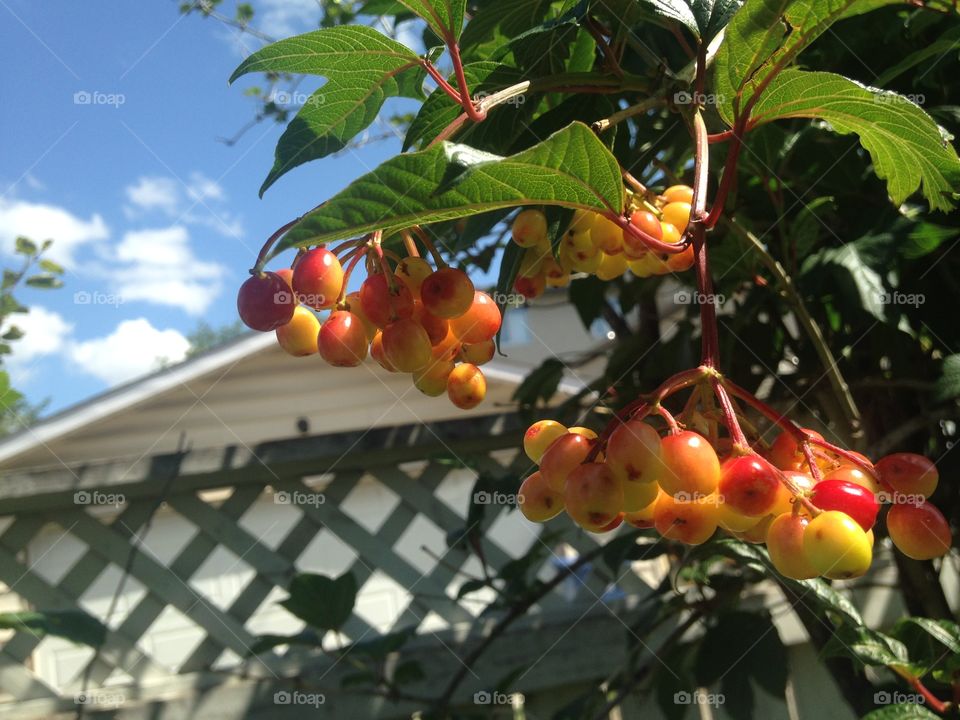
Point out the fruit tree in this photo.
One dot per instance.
(782, 169)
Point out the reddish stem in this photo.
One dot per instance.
(649, 241)
(740, 442)
(357, 255)
(846, 455)
(441, 81)
(465, 100)
(782, 421)
(811, 461)
(729, 171)
(939, 706)
(348, 244)
(669, 418)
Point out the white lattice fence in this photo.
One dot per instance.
(202, 572)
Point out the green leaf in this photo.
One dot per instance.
(362, 67)
(445, 17)
(322, 602)
(849, 270)
(769, 34)
(51, 267)
(74, 625)
(588, 297)
(25, 246)
(511, 17)
(924, 238)
(378, 648)
(540, 384)
(945, 632)
(704, 18)
(572, 167)
(44, 281)
(268, 642)
(870, 647)
(740, 647)
(509, 267)
(905, 144)
(471, 586)
(948, 384)
(12, 333)
(905, 711)
(946, 43)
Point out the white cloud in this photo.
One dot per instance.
(134, 348)
(159, 266)
(194, 202)
(45, 333)
(282, 18)
(155, 193)
(39, 221)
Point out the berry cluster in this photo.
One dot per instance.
(410, 317)
(595, 245)
(813, 505)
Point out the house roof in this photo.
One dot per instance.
(245, 391)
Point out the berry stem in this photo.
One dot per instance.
(431, 248)
(785, 423)
(345, 245)
(846, 455)
(262, 257)
(670, 419)
(811, 461)
(650, 242)
(410, 244)
(357, 254)
(740, 442)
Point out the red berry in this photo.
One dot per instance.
(847, 497)
(909, 473)
(749, 484)
(381, 305)
(265, 302)
(480, 322)
(919, 530)
(342, 340)
(318, 279)
(447, 293)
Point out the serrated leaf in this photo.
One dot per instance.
(572, 167)
(704, 18)
(769, 34)
(322, 602)
(74, 625)
(363, 68)
(445, 17)
(905, 144)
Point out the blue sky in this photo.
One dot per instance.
(110, 131)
